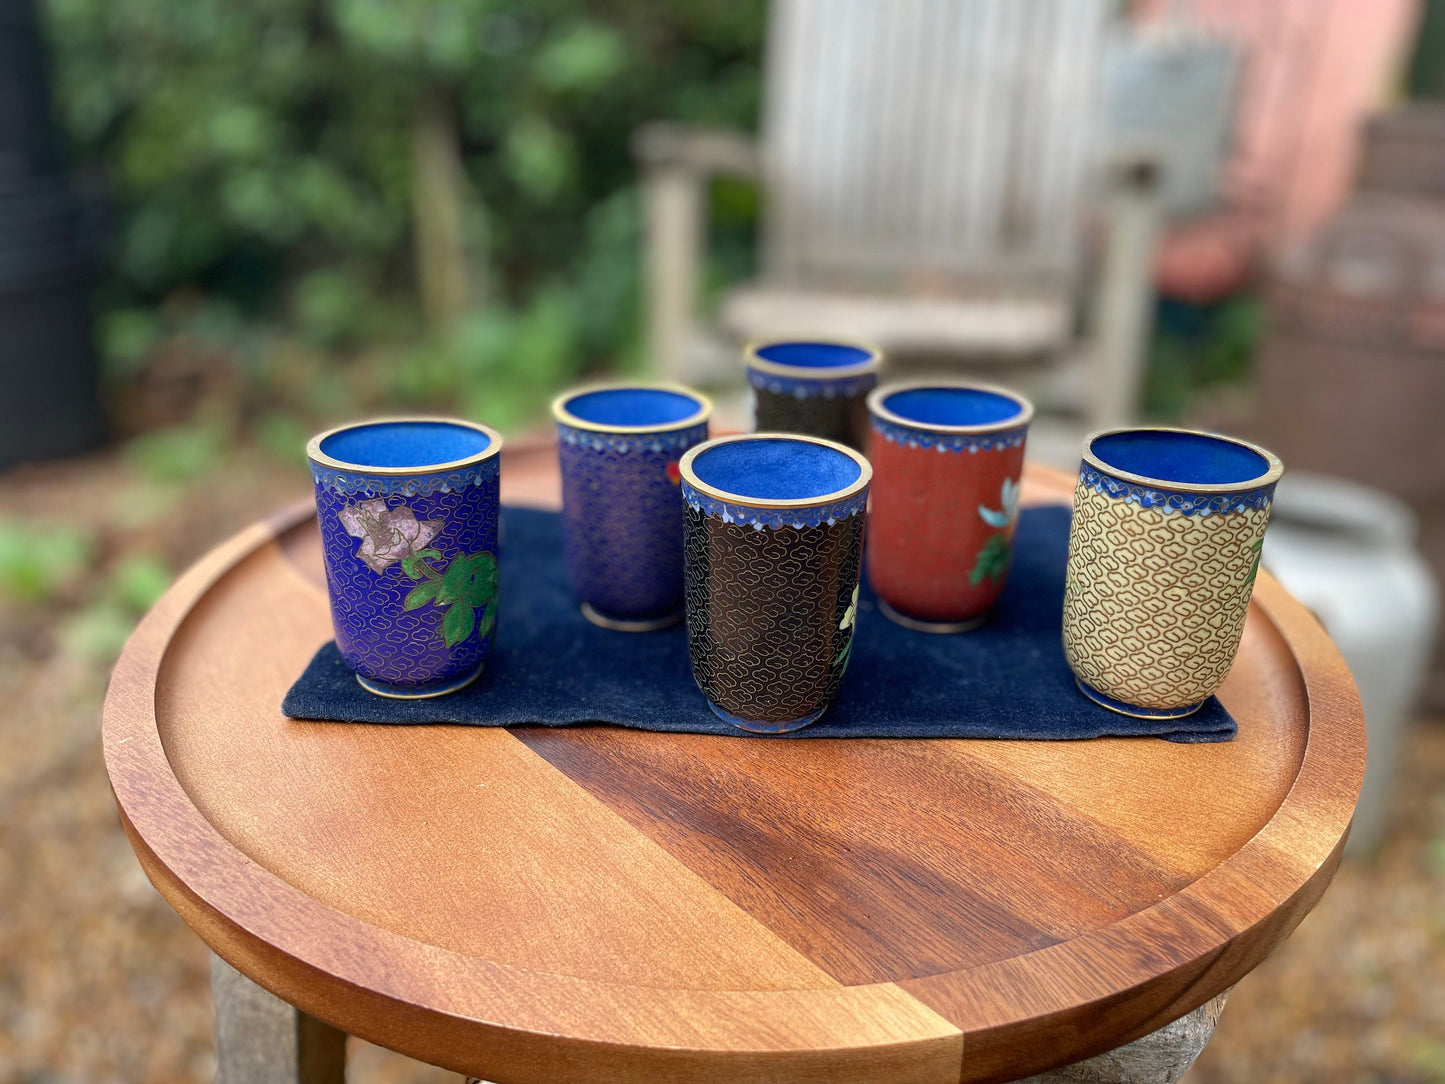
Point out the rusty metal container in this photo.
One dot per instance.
(1352, 373)
(1404, 152)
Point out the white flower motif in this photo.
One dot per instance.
(1003, 518)
(387, 534)
(851, 612)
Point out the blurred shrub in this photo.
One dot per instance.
(1200, 346)
(277, 156)
(179, 453)
(100, 628)
(38, 561)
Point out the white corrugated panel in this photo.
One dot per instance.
(929, 135)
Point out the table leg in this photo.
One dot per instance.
(262, 1040)
(1161, 1057)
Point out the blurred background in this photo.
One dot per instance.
(226, 224)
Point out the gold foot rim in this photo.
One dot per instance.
(1118, 707)
(423, 692)
(617, 624)
(936, 627)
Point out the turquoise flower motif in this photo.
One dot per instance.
(993, 558)
(1003, 518)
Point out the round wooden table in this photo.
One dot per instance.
(598, 904)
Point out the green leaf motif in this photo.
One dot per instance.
(468, 584)
(416, 567)
(1258, 550)
(456, 581)
(480, 593)
(420, 595)
(484, 566)
(483, 586)
(489, 620)
(458, 624)
(992, 560)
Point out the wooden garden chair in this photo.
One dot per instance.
(927, 166)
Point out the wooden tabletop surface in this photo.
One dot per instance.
(598, 904)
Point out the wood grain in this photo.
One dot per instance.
(880, 860)
(412, 846)
(540, 904)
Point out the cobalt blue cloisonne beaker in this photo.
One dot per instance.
(408, 510)
(619, 446)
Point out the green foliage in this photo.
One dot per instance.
(1435, 856)
(138, 581)
(1196, 347)
(283, 436)
(580, 57)
(46, 563)
(99, 630)
(332, 304)
(261, 156)
(127, 337)
(1428, 1055)
(38, 561)
(540, 158)
(178, 454)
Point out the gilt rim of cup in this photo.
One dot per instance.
(1272, 473)
(317, 456)
(865, 472)
(885, 391)
(561, 414)
(753, 359)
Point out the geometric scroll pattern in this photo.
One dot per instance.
(833, 416)
(622, 519)
(1154, 603)
(766, 613)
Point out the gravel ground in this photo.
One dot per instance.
(100, 982)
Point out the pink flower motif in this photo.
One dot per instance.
(387, 534)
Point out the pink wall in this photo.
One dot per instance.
(1313, 69)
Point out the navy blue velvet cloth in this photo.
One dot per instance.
(550, 667)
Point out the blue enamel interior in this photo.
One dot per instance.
(776, 469)
(1193, 458)
(814, 355)
(632, 406)
(952, 406)
(405, 444)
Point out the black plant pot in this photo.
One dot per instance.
(49, 379)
